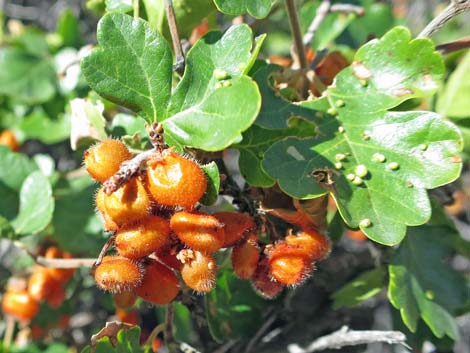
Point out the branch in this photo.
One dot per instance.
(170, 15)
(297, 33)
(348, 8)
(55, 263)
(345, 337)
(323, 10)
(320, 16)
(64, 263)
(455, 8)
(127, 170)
(168, 332)
(447, 48)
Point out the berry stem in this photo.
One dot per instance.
(127, 171)
(104, 250)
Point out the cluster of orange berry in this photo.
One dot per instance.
(44, 284)
(159, 233)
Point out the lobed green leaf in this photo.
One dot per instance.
(399, 154)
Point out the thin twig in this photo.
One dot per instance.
(260, 332)
(55, 263)
(170, 15)
(460, 44)
(65, 263)
(345, 337)
(9, 331)
(155, 332)
(322, 12)
(348, 8)
(455, 8)
(168, 333)
(127, 170)
(136, 9)
(297, 33)
(105, 249)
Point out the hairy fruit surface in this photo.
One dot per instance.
(199, 231)
(117, 274)
(199, 270)
(103, 160)
(142, 239)
(236, 226)
(245, 257)
(160, 284)
(174, 180)
(128, 204)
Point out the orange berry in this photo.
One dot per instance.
(60, 274)
(109, 224)
(8, 138)
(236, 226)
(199, 270)
(103, 160)
(156, 344)
(289, 265)
(41, 284)
(56, 296)
(315, 245)
(199, 231)
(263, 284)
(170, 260)
(144, 238)
(160, 284)
(357, 235)
(117, 274)
(125, 299)
(20, 305)
(128, 204)
(174, 180)
(245, 257)
(129, 317)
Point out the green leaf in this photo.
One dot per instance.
(77, 227)
(133, 66)
(36, 205)
(6, 229)
(38, 125)
(218, 120)
(14, 168)
(233, 309)
(257, 140)
(377, 20)
(215, 58)
(453, 102)
(398, 154)
(422, 285)
(213, 183)
(127, 341)
(68, 28)
(209, 115)
(188, 14)
(125, 124)
(363, 287)
(256, 8)
(119, 5)
(26, 77)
